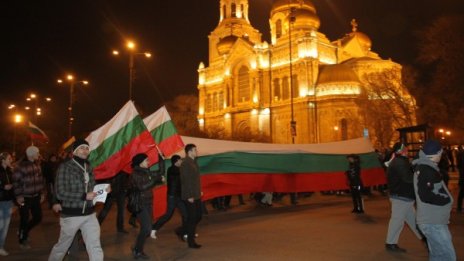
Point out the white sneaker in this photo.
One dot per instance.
(3, 252)
(186, 236)
(153, 234)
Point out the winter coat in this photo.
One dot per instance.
(71, 189)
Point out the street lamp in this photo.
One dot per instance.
(131, 47)
(72, 83)
(34, 97)
(18, 118)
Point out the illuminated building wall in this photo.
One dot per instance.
(246, 87)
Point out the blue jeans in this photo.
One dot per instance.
(5, 216)
(439, 241)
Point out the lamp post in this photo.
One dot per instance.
(18, 118)
(72, 84)
(38, 110)
(292, 120)
(131, 47)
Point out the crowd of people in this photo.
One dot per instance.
(417, 191)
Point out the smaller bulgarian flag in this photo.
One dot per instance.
(164, 132)
(113, 145)
(36, 133)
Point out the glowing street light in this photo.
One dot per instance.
(35, 97)
(131, 46)
(72, 83)
(18, 118)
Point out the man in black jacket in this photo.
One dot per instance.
(173, 196)
(191, 192)
(400, 182)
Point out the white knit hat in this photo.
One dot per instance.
(32, 151)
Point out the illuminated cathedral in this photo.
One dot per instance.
(301, 87)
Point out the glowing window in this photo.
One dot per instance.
(233, 8)
(276, 89)
(243, 84)
(285, 88)
(278, 29)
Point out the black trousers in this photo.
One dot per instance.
(460, 195)
(145, 219)
(194, 214)
(356, 196)
(173, 203)
(31, 206)
(120, 199)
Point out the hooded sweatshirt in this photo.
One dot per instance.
(433, 199)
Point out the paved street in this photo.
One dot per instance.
(318, 228)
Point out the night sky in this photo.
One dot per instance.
(45, 40)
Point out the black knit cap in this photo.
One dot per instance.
(174, 159)
(139, 158)
(432, 147)
(78, 143)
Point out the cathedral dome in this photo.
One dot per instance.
(305, 17)
(225, 44)
(363, 39)
(336, 73)
(284, 4)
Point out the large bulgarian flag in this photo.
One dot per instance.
(229, 167)
(164, 132)
(113, 145)
(36, 133)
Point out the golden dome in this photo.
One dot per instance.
(283, 4)
(363, 39)
(305, 17)
(225, 44)
(336, 73)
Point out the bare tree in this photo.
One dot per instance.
(386, 105)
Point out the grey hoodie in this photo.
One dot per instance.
(434, 201)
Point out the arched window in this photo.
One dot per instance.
(220, 101)
(276, 89)
(208, 103)
(285, 88)
(243, 84)
(344, 128)
(233, 10)
(278, 29)
(215, 102)
(296, 88)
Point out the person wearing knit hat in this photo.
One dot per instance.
(78, 144)
(434, 202)
(402, 198)
(138, 159)
(28, 185)
(142, 182)
(74, 186)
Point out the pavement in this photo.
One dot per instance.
(320, 227)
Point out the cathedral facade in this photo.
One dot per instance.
(300, 88)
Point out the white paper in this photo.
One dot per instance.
(100, 190)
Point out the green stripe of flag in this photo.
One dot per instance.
(242, 162)
(164, 131)
(117, 141)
